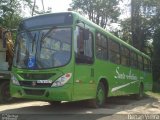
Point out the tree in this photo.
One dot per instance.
(9, 16)
(156, 58)
(10, 11)
(139, 23)
(35, 9)
(101, 12)
(143, 22)
(125, 32)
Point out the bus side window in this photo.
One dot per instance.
(114, 51)
(101, 47)
(84, 52)
(140, 62)
(147, 65)
(133, 58)
(125, 60)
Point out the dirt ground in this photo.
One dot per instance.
(116, 108)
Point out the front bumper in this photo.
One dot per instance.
(63, 93)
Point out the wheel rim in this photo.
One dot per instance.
(100, 96)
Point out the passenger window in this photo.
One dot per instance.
(101, 47)
(133, 58)
(125, 59)
(140, 62)
(114, 52)
(147, 65)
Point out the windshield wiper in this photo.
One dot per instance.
(44, 36)
(50, 30)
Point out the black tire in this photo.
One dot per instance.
(100, 99)
(5, 92)
(140, 94)
(55, 103)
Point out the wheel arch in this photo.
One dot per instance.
(104, 80)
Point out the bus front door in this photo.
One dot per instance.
(84, 84)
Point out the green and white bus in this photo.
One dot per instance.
(65, 57)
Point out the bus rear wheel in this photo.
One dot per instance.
(140, 94)
(100, 99)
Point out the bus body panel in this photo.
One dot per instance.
(118, 78)
(84, 83)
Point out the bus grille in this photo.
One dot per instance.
(34, 85)
(41, 76)
(34, 92)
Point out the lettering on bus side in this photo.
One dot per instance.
(128, 76)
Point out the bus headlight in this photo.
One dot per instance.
(14, 80)
(62, 80)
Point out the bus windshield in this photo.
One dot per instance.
(42, 49)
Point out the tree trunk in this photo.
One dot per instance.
(33, 9)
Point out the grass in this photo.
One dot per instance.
(152, 94)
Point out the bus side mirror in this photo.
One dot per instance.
(86, 34)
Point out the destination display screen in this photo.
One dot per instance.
(47, 20)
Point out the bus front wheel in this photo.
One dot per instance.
(100, 99)
(140, 94)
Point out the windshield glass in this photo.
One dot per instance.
(42, 49)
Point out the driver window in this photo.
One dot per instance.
(84, 52)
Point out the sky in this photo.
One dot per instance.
(63, 5)
(125, 9)
(56, 5)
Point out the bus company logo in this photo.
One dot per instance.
(34, 83)
(9, 117)
(129, 76)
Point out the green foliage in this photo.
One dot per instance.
(126, 31)
(101, 12)
(141, 23)
(10, 12)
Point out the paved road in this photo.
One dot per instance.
(116, 108)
